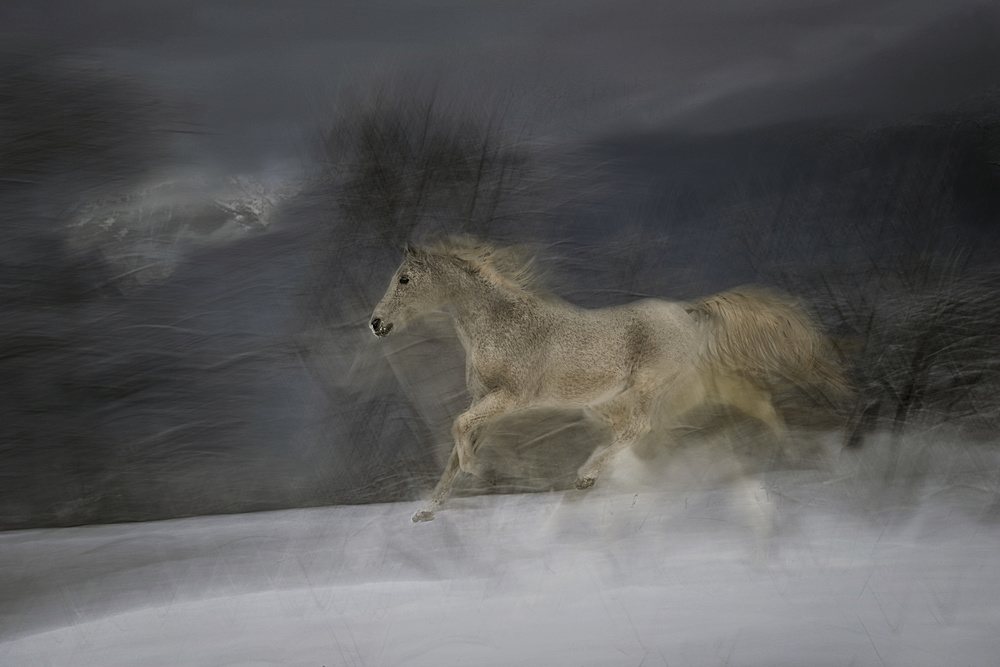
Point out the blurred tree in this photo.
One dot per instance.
(403, 158)
(400, 161)
(897, 266)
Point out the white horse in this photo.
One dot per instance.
(525, 348)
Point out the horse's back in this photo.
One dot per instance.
(650, 335)
(668, 322)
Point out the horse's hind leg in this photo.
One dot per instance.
(754, 401)
(592, 469)
(630, 415)
(441, 491)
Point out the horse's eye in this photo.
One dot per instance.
(403, 280)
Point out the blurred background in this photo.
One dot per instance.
(201, 203)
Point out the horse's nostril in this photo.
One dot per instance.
(380, 328)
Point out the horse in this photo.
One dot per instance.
(526, 347)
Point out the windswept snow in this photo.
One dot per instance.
(146, 232)
(630, 573)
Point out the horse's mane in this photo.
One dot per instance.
(512, 266)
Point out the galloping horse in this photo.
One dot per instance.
(525, 347)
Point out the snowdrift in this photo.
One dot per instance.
(791, 567)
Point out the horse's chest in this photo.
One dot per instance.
(499, 362)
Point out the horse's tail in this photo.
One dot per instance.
(770, 340)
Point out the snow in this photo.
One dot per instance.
(630, 573)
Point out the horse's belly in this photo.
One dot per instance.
(581, 386)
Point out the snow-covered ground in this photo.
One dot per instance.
(856, 571)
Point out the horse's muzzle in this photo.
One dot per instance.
(379, 328)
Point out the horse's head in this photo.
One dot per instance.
(417, 287)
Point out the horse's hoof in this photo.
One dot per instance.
(585, 482)
(423, 515)
(476, 469)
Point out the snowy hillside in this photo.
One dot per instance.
(639, 571)
(146, 232)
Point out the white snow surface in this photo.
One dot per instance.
(630, 573)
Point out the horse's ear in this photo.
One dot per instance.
(412, 252)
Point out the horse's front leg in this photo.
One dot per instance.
(490, 406)
(471, 422)
(441, 491)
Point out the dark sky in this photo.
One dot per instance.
(257, 75)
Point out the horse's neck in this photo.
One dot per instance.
(484, 311)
